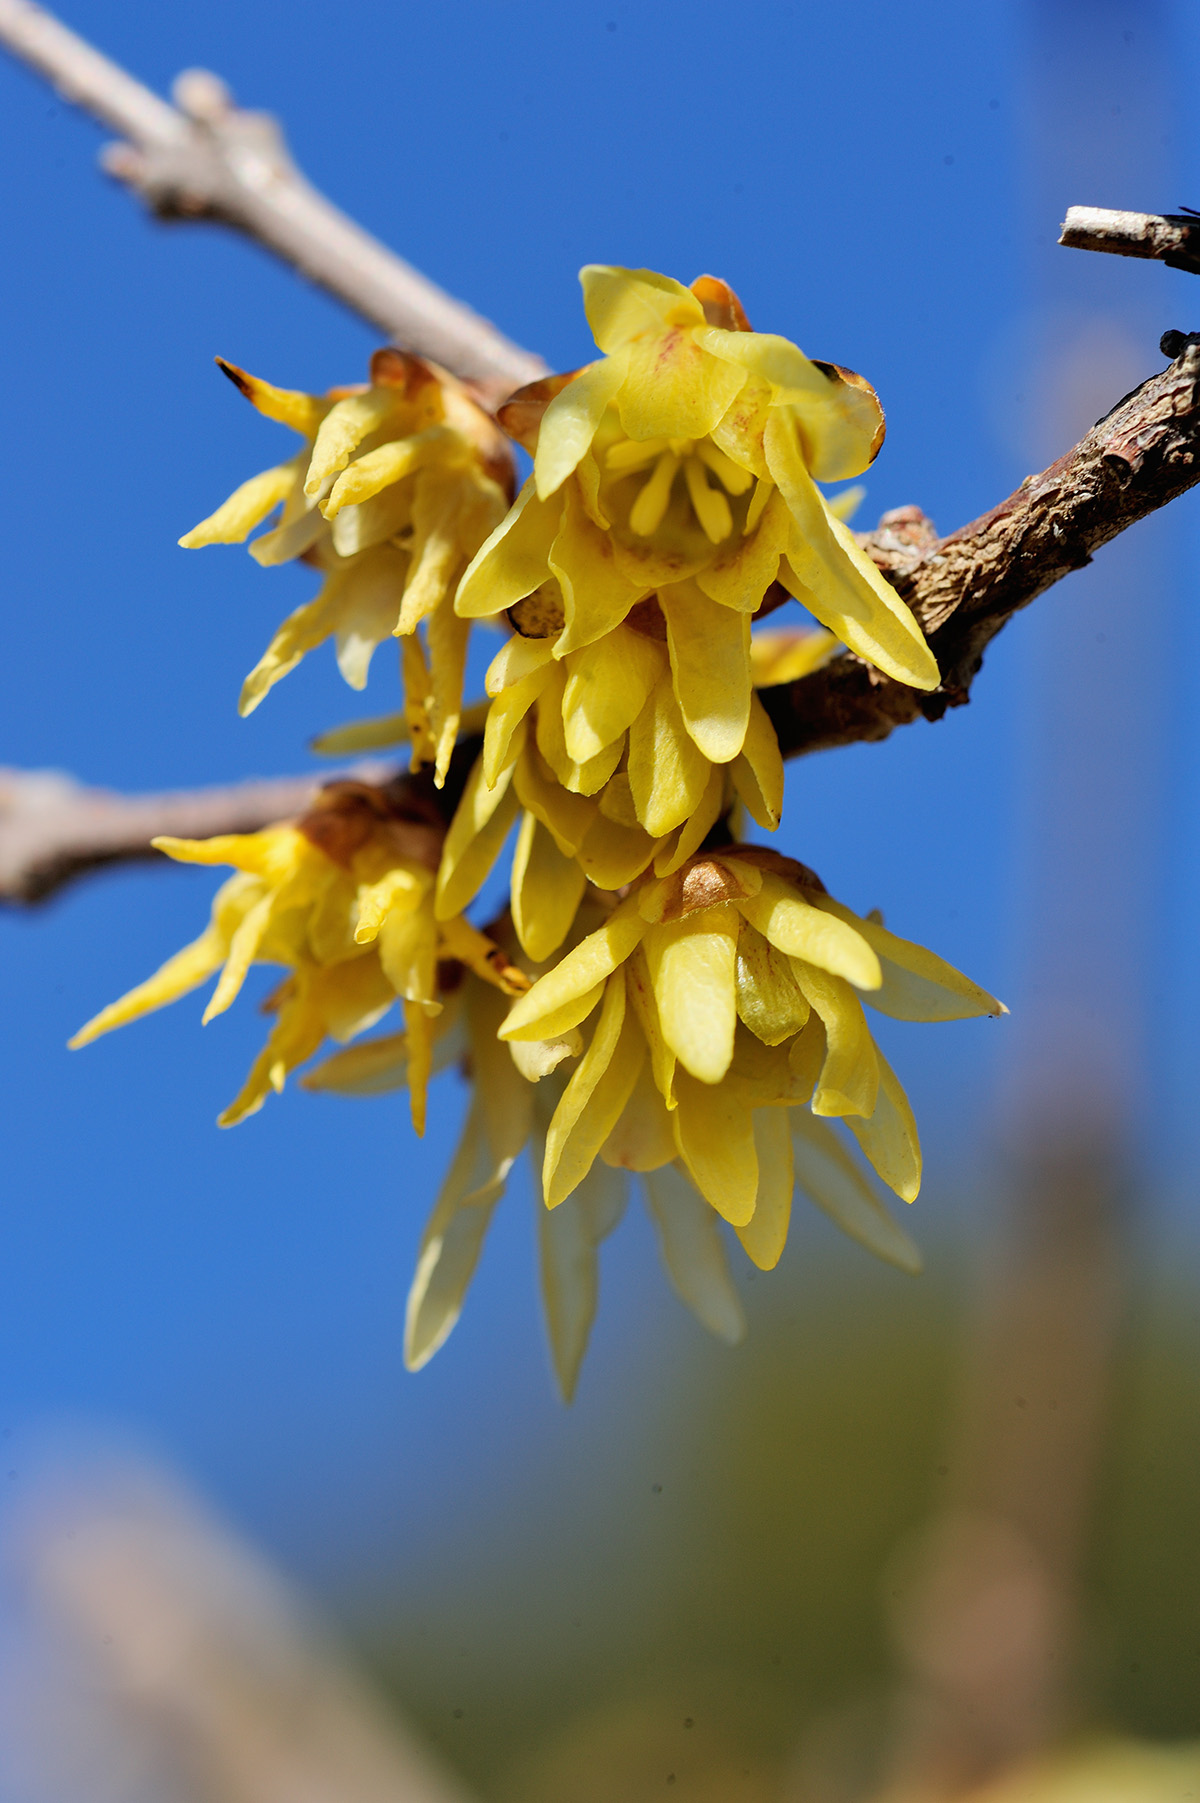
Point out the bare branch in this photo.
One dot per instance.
(964, 588)
(53, 828)
(205, 159)
(1171, 238)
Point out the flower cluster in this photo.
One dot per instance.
(659, 999)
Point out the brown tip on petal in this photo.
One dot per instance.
(763, 857)
(838, 373)
(721, 305)
(512, 980)
(240, 378)
(521, 414)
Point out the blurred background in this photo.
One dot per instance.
(763, 1573)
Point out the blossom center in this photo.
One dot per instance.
(698, 461)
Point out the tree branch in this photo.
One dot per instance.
(1171, 238)
(53, 828)
(205, 159)
(964, 588)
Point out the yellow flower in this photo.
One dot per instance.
(342, 898)
(673, 486)
(723, 995)
(397, 486)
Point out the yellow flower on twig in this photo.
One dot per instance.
(674, 487)
(725, 995)
(343, 899)
(397, 486)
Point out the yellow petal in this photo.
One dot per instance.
(710, 667)
(242, 951)
(765, 1233)
(451, 1243)
(246, 508)
(640, 993)
(546, 891)
(769, 999)
(448, 637)
(668, 772)
(577, 779)
(302, 412)
(501, 742)
(785, 653)
(419, 1031)
(690, 1244)
(513, 560)
(757, 770)
(569, 818)
(917, 984)
(573, 983)
(374, 1068)
(516, 660)
(298, 1032)
(889, 1137)
(740, 575)
(692, 834)
(613, 855)
(622, 304)
(185, 971)
(299, 634)
(841, 422)
(849, 1081)
(570, 421)
(595, 1097)
(826, 570)
(369, 604)
(829, 1175)
(480, 826)
(714, 1130)
(608, 684)
(343, 429)
(387, 464)
(693, 967)
(596, 592)
(801, 930)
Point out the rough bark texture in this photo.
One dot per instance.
(964, 588)
(1171, 238)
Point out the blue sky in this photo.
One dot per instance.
(881, 184)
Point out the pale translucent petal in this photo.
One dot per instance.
(183, 972)
(567, 1239)
(765, 1233)
(643, 1138)
(690, 1243)
(827, 1173)
(451, 1243)
(785, 653)
(343, 429)
(769, 999)
(849, 1081)
(889, 1137)
(917, 984)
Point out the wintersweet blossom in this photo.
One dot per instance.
(725, 995)
(397, 486)
(513, 1094)
(674, 485)
(341, 901)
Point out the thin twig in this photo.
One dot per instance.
(204, 158)
(53, 828)
(964, 588)
(1171, 238)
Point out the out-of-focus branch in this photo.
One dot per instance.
(53, 828)
(1171, 238)
(964, 588)
(205, 158)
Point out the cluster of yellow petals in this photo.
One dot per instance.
(338, 899)
(397, 486)
(674, 488)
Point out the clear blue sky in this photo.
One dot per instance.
(863, 177)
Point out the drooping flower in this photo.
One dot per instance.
(343, 899)
(725, 995)
(397, 486)
(674, 487)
